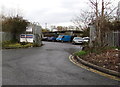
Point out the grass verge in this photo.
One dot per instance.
(9, 44)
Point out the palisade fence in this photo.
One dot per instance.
(113, 38)
(6, 36)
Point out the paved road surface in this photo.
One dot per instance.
(47, 65)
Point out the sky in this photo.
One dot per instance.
(52, 12)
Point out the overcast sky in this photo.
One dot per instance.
(52, 12)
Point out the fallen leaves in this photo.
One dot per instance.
(108, 59)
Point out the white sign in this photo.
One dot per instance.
(27, 38)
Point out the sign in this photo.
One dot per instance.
(27, 38)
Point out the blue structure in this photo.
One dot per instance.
(64, 38)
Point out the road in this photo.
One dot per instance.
(47, 65)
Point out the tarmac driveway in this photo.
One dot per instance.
(47, 65)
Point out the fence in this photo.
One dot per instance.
(113, 38)
(6, 36)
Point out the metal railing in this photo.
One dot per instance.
(113, 38)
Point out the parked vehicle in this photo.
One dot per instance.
(86, 39)
(52, 39)
(44, 38)
(64, 38)
(77, 40)
(48, 38)
(59, 38)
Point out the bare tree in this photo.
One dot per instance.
(11, 12)
(83, 19)
(100, 15)
(103, 12)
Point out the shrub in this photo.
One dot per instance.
(118, 48)
(17, 45)
(80, 53)
(28, 45)
(36, 45)
(23, 43)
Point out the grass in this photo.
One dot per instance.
(80, 53)
(8, 44)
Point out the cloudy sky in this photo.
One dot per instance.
(52, 12)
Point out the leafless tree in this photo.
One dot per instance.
(103, 13)
(82, 20)
(100, 15)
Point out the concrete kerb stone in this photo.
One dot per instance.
(110, 73)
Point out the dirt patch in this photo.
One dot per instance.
(109, 59)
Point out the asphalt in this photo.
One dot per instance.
(47, 65)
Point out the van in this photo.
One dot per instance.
(64, 38)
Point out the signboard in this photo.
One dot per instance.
(27, 38)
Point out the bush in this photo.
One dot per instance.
(98, 50)
(118, 48)
(28, 45)
(6, 43)
(80, 53)
(36, 45)
(16, 45)
(23, 43)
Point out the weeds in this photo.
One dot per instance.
(97, 50)
(80, 53)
